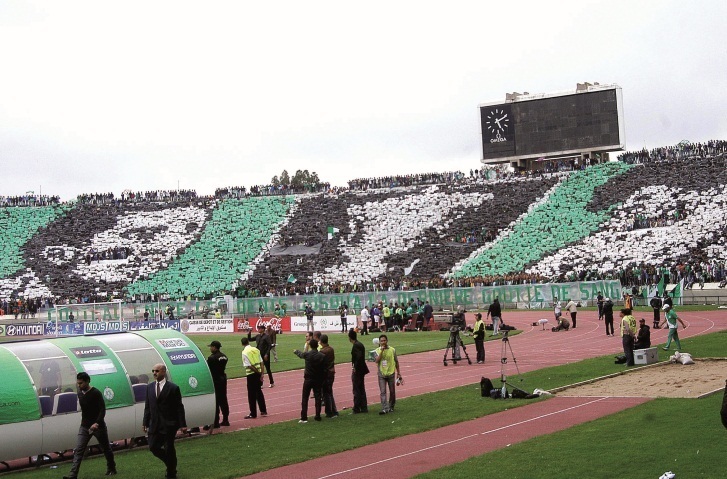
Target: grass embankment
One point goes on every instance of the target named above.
(645, 441)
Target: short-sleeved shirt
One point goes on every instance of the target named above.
(671, 319)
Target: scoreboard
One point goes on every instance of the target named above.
(553, 125)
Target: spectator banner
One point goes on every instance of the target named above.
(320, 323)
(98, 327)
(214, 325)
(242, 325)
(34, 329)
(63, 329)
(142, 325)
(478, 297)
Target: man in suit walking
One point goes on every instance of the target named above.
(163, 416)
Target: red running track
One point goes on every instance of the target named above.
(424, 372)
(533, 349)
(408, 456)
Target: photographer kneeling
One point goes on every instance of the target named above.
(563, 325)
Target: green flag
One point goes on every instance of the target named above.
(660, 286)
(291, 278)
(332, 230)
(677, 293)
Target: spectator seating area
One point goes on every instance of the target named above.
(633, 220)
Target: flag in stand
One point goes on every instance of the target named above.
(291, 278)
(677, 292)
(332, 230)
(660, 286)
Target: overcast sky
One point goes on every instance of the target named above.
(101, 96)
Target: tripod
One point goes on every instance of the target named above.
(503, 358)
(455, 343)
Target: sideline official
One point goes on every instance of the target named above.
(163, 416)
(217, 362)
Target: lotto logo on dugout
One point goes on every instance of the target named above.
(185, 356)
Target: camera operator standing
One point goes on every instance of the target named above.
(479, 336)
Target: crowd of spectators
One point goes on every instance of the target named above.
(638, 275)
(23, 308)
(694, 270)
(682, 151)
(418, 179)
(128, 196)
(640, 221)
(29, 200)
(159, 196)
(95, 198)
(272, 190)
(115, 253)
(231, 192)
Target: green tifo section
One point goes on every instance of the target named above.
(561, 220)
(18, 225)
(234, 236)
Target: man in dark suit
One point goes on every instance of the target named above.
(163, 416)
(358, 374)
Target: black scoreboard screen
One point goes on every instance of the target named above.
(552, 125)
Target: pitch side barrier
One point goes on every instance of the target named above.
(479, 297)
(190, 314)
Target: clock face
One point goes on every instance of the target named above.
(497, 121)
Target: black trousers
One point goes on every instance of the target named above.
(344, 325)
(609, 325)
(221, 404)
(360, 402)
(267, 368)
(628, 344)
(316, 386)
(480, 348)
(573, 318)
(255, 396)
(657, 318)
(161, 444)
(329, 403)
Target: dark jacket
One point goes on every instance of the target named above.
(93, 408)
(163, 414)
(315, 364)
(358, 358)
(608, 309)
(217, 362)
(495, 310)
(262, 342)
(643, 338)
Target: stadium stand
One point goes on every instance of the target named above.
(658, 213)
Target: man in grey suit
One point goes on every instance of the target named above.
(163, 416)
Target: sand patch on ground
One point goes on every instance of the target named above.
(661, 380)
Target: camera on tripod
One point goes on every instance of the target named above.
(455, 344)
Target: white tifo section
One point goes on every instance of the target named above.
(393, 226)
(33, 285)
(615, 246)
(147, 255)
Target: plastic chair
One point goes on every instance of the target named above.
(65, 403)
